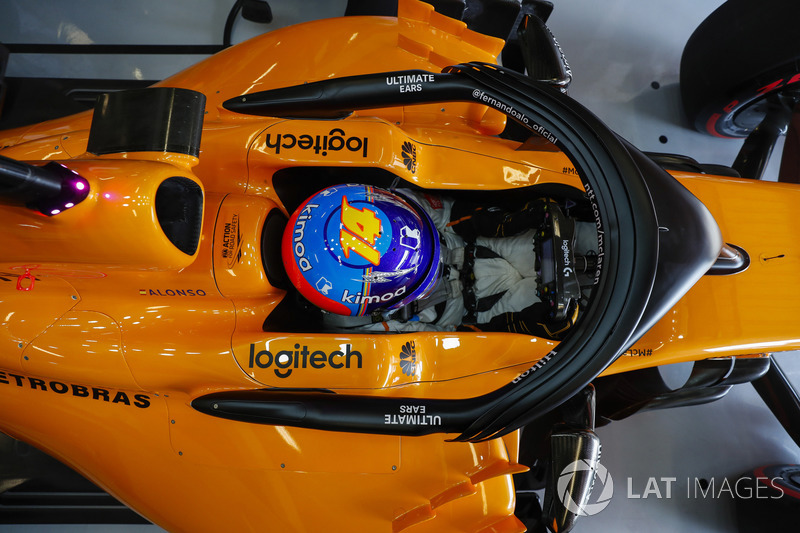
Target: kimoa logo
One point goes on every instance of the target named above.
(335, 141)
(299, 232)
(285, 361)
(358, 298)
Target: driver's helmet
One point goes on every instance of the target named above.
(355, 249)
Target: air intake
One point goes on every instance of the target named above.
(179, 209)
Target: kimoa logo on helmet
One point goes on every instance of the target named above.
(358, 298)
(299, 231)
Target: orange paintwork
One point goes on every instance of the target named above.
(115, 228)
(100, 360)
(734, 315)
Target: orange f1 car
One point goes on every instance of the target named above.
(153, 341)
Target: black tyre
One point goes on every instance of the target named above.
(768, 499)
(743, 52)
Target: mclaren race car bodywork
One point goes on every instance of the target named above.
(151, 341)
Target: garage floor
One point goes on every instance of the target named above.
(617, 49)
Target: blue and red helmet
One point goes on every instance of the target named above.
(355, 249)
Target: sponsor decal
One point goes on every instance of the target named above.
(514, 113)
(539, 364)
(410, 238)
(142, 401)
(565, 249)
(335, 141)
(409, 83)
(286, 361)
(358, 298)
(569, 170)
(600, 233)
(299, 231)
(324, 286)
(638, 352)
(409, 152)
(232, 242)
(383, 277)
(172, 292)
(412, 415)
(408, 359)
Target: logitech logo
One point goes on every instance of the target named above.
(321, 144)
(565, 249)
(286, 361)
